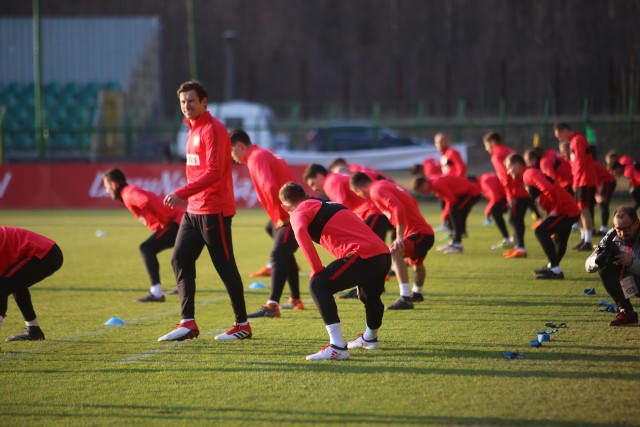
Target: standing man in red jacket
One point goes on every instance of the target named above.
(584, 179)
(414, 237)
(268, 174)
(207, 222)
(362, 259)
(162, 220)
(562, 211)
(517, 195)
(26, 258)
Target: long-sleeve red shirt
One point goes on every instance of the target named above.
(337, 188)
(209, 187)
(17, 244)
(452, 163)
(513, 190)
(553, 198)
(557, 168)
(492, 190)
(583, 173)
(268, 174)
(399, 206)
(342, 235)
(632, 174)
(450, 188)
(431, 168)
(602, 174)
(149, 208)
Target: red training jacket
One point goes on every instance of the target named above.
(399, 206)
(553, 198)
(338, 189)
(149, 208)
(17, 244)
(451, 188)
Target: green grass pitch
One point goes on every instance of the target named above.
(440, 364)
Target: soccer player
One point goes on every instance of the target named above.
(493, 191)
(554, 231)
(517, 195)
(268, 174)
(451, 161)
(629, 170)
(26, 258)
(584, 179)
(162, 220)
(606, 182)
(414, 234)
(207, 222)
(459, 195)
(556, 167)
(337, 188)
(361, 259)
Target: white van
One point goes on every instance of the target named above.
(255, 119)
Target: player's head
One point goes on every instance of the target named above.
(338, 165)
(532, 158)
(314, 176)
(421, 185)
(617, 168)
(562, 132)
(565, 149)
(291, 195)
(625, 221)
(441, 141)
(193, 99)
(113, 181)
(240, 143)
(515, 165)
(490, 140)
(360, 183)
(611, 157)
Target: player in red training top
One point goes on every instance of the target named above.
(335, 185)
(26, 258)
(339, 163)
(459, 195)
(268, 174)
(630, 171)
(162, 220)
(362, 259)
(451, 161)
(584, 180)
(493, 191)
(431, 168)
(606, 186)
(207, 221)
(554, 231)
(414, 235)
(556, 167)
(517, 195)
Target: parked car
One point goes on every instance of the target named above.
(356, 135)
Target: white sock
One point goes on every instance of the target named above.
(582, 234)
(243, 323)
(273, 302)
(33, 322)
(587, 236)
(335, 335)
(269, 266)
(416, 289)
(404, 289)
(156, 290)
(370, 334)
(556, 269)
(186, 320)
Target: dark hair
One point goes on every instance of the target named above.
(115, 175)
(419, 182)
(338, 161)
(535, 155)
(417, 169)
(515, 158)
(629, 211)
(561, 126)
(238, 135)
(492, 135)
(292, 192)
(360, 179)
(195, 86)
(312, 170)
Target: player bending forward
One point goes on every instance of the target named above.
(362, 259)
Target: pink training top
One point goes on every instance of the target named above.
(268, 174)
(343, 234)
(149, 208)
(553, 198)
(491, 190)
(17, 244)
(337, 188)
(399, 206)
(209, 187)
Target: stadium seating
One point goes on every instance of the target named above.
(68, 111)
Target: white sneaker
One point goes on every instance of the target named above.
(330, 352)
(453, 250)
(183, 331)
(360, 342)
(443, 247)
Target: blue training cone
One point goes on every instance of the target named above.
(115, 321)
(257, 285)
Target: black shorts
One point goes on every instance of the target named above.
(585, 197)
(416, 247)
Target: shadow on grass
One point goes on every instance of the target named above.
(128, 414)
